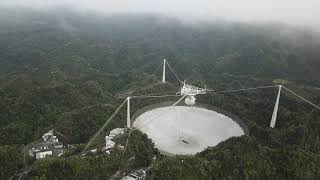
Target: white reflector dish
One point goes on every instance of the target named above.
(186, 130)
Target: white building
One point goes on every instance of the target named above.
(54, 139)
(57, 145)
(113, 133)
(42, 154)
(136, 175)
(49, 146)
(94, 150)
(47, 135)
(109, 143)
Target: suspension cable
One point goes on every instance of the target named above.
(102, 128)
(236, 90)
(175, 74)
(309, 102)
(156, 70)
(154, 96)
(137, 97)
(127, 141)
(160, 114)
(174, 104)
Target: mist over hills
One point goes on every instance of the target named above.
(154, 34)
(66, 70)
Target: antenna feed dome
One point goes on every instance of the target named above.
(190, 100)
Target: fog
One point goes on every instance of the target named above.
(296, 12)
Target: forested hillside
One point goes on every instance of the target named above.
(67, 70)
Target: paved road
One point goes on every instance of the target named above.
(19, 176)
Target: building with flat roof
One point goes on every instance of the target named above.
(49, 145)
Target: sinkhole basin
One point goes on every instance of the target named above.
(186, 130)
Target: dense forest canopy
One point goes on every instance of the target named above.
(67, 70)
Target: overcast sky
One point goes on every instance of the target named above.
(301, 12)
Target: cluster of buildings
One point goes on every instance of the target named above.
(48, 146)
(112, 139)
(136, 175)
